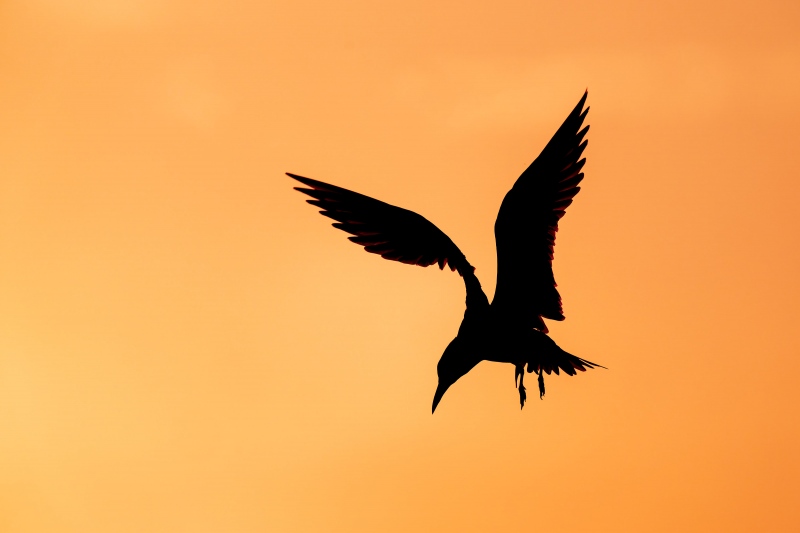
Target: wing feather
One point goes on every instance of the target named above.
(392, 232)
(525, 231)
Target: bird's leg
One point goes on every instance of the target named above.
(541, 383)
(520, 372)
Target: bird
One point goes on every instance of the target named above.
(511, 328)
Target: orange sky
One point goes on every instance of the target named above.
(185, 345)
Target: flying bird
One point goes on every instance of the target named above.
(511, 328)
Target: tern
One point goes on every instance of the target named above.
(511, 328)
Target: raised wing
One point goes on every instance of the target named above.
(525, 231)
(392, 232)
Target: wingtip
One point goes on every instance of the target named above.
(314, 184)
(582, 102)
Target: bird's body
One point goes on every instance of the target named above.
(486, 334)
(510, 329)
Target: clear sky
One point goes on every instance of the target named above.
(185, 345)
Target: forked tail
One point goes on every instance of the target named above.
(555, 360)
(559, 359)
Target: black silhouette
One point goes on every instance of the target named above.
(510, 329)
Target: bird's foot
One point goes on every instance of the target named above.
(520, 373)
(541, 384)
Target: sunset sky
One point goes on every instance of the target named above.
(186, 346)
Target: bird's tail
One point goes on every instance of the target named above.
(559, 359)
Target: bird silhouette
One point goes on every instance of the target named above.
(511, 329)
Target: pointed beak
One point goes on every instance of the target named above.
(437, 397)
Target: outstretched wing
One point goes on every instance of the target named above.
(525, 231)
(392, 232)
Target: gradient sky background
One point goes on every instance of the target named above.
(185, 345)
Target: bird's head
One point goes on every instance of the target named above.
(455, 362)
